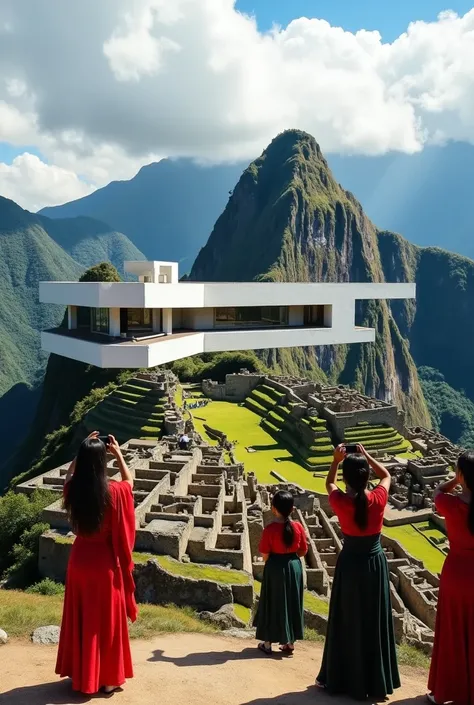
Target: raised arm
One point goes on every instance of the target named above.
(331, 478)
(379, 469)
(72, 467)
(116, 451)
(448, 486)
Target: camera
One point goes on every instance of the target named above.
(105, 440)
(351, 448)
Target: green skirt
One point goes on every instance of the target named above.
(279, 617)
(360, 658)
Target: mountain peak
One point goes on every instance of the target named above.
(292, 142)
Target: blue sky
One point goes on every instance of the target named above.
(390, 17)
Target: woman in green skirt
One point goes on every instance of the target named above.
(279, 617)
(359, 654)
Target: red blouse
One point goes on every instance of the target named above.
(272, 539)
(344, 507)
(455, 512)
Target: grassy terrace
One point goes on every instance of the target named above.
(243, 427)
(131, 411)
(417, 544)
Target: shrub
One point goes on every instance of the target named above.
(46, 587)
(18, 515)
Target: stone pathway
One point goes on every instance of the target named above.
(181, 669)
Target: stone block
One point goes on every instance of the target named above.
(156, 586)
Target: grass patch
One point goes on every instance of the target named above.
(243, 613)
(418, 545)
(154, 619)
(203, 572)
(21, 613)
(313, 603)
(313, 635)
(410, 656)
(242, 426)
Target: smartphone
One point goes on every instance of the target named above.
(105, 440)
(351, 448)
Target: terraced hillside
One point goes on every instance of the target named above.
(308, 437)
(377, 438)
(134, 410)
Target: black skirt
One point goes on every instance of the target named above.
(279, 617)
(360, 657)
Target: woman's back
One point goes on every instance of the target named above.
(455, 512)
(344, 506)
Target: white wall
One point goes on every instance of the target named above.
(209, 295)
(198, 318)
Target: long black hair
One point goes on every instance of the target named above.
(356, 473)
(283, 502)
(466, 468)
(88, 494)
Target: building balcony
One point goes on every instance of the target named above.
(147, 351)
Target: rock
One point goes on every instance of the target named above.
(3, 637)
(156, 586)
(46, 635)
(240, 633)
(224, 618)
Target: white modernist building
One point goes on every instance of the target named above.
(158, 319)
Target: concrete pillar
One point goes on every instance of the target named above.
(156, 320)
(343, 315)
(114, 322)
(72, 317)
(168, 321)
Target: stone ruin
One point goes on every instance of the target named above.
(193, 507)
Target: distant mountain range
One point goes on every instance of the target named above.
(169, 208)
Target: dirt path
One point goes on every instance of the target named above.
(187, 669)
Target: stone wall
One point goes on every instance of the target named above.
(236, 388)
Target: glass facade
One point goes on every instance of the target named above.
(139, 319)
(100, 320)
(251, 316)
(314, 316)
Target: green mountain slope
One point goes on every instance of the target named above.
(289, 220)
(27, 255)
(451, 411)
(89, 241)
(35, 248)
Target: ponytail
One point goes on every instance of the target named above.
(288, 532)
(283, 502)
(361, 514)
(466, 468)
(356, 473)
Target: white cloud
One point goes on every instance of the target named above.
(33, 184)
(106, 86)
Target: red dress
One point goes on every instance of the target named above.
(344, 507)
(452, 665)
(94, 648)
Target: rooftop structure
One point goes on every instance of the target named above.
(159, 319)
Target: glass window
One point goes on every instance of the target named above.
(83, 317)
(139, 318)
(314, 316)
(100, 320)
(257, 316)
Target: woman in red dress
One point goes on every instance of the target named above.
(94, 648)
(452, 665)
